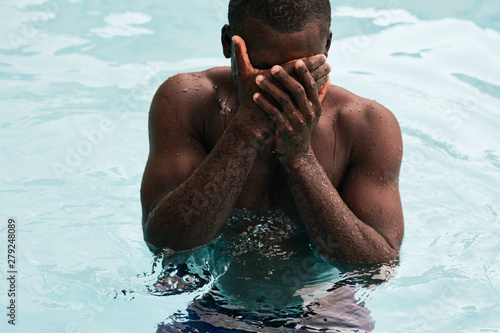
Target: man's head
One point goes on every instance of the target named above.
(277, 31)
(284, 16)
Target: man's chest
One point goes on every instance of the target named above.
(267, 185)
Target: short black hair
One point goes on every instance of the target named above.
(284, 16)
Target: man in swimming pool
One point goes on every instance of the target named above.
(270, 132)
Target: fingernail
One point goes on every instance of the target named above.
(300, 63)
(275, 69)
(256, 96)
(259, 78)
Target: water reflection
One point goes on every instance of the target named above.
(261, 275)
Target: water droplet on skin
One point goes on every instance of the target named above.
(178, 154)
(184, 90)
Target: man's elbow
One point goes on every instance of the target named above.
(387, 254)
(156, 234)
(384, 257)
(157, 242)
(382, 253)
(169, 237)
(151, 238)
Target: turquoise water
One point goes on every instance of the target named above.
(76, 80)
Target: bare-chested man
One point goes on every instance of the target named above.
(271, 132)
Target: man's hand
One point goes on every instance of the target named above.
(298, 113)
(316, 65)
(258, 124)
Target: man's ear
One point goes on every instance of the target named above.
(227, 42)
(328, 43)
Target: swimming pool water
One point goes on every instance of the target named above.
(76, 80)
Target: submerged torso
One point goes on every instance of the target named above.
(265, 277)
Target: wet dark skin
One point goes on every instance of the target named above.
(271, 132)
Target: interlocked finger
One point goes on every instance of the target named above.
(286, 102)
(274, 114)
(297, 91)
(314, 62)
(321, 74)
(309, 84)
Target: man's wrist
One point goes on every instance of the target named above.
(253, 122)
(299, 161)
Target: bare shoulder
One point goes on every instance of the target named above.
(373, 130)
(183, 100)
(363, 112)
(190, 89)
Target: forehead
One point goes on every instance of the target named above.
(267, 47)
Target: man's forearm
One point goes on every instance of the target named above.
(195, 212)
(333, 228)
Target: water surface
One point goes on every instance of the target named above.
(76, 81)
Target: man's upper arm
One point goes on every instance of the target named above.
(371, 186)
(175, 149)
